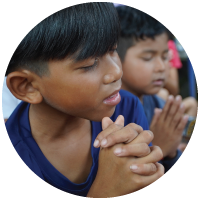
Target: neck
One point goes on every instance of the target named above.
(136, 93)
(47, 122)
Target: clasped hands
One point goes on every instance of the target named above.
(125, 160)
(168, 125)
(133, 142)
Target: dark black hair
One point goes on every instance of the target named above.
(136, 25)
(171, 35)
(78, 32)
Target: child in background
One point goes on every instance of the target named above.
(68, 75)
(143, 49)
(172, 87)
(172, 84)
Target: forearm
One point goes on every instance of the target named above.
(172, 84)
(99, 189)
(172, 155)
(172, 87)
(169, 162)
(98, 194)
(95, 192)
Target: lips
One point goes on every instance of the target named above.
(158, 82)
(160, 79)
(113, 99)
(113, 94)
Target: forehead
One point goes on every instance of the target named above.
(158, 44)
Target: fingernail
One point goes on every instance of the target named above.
(117, 151)
(170, 97)
(103, 142)
(178, 98)
(157, 110)
(186, 117)
(118, 120)
(181, 106)
(134, 167)
(96, 143)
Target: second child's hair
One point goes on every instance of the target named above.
(135, 26)
(78, 32)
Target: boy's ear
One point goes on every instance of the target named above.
(23, 85)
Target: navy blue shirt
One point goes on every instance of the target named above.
(18, 128)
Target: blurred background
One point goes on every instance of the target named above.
(187, 80)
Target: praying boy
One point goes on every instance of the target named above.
(68, 75)
(143, 50)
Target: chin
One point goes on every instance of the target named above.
(151, 93)
(99, 116)
(155, 90)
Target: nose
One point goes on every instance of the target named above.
(114, 71)
(160, 65)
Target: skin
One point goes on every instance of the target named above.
(60, 122)
(144, 63)
(172, 84)
(172, 87)
(170, 121)
(127, 170)
(60, 118)
(148, 60)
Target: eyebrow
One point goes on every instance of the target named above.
(152, 51)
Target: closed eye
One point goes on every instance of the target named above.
(147, 59)
(91, 67)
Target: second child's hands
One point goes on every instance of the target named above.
(168, 125)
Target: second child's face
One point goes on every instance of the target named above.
(145, 67)
(83, 89)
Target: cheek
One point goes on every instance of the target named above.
(167, 68)
(71, 92)
(137, 73)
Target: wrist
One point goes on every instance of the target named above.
(100, 190)
(97, 192)
(172, 155)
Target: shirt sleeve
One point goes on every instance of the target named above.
(9, 102)
(168, 163)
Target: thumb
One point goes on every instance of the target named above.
(120, 120)
(106, 121)
(157, 112)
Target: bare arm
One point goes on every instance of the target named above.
(172, 84)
